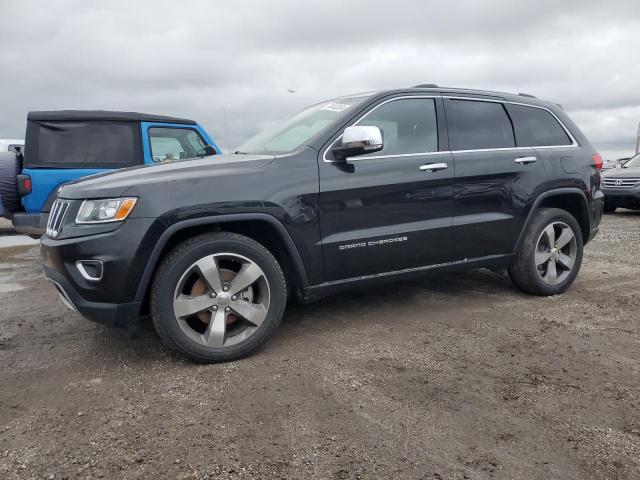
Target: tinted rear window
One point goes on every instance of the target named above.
(82, 144)
(536, 127)
(479, 125)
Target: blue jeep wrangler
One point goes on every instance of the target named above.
(61, 146)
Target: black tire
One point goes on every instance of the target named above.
(609, 208)
(9, 170)
(179, 260)
(523, 270)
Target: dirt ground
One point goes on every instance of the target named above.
(458, 376)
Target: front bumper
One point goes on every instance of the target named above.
(123, 252)
(111, 314)
(30, 223)
(622, 197)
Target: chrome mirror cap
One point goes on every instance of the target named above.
(366, 137)
(359, 140)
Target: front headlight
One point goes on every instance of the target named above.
(105, 210)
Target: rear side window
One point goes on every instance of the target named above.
(82, 145)
(479, 125)
(536, 127)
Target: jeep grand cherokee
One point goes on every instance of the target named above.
(352, 191)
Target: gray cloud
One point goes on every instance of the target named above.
(200, 58)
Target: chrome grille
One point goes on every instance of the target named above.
(613, 182)
(56, 217)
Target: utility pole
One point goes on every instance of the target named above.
(638, 140)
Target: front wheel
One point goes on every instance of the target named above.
(609, 208)
(550, 253)
(218, 297)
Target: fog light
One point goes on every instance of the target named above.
(90, 269)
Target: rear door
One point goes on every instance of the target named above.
(494, 179)
(388, 211)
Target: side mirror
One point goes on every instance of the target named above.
(209, 150)
(358, 140)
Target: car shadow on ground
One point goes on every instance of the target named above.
(141, 343)
(624, 212)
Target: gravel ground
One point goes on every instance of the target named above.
(459, 376)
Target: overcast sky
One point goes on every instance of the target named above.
(198, 59)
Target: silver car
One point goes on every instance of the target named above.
(621, 186)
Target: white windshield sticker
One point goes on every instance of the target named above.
(335, 107)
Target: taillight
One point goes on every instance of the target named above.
(24, 185)
(597, 161)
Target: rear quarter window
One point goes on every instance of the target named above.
(475, 125)
(536, 127)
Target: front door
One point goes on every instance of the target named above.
(389, 210)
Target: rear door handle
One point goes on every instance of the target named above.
(526, 160)
(433, 167)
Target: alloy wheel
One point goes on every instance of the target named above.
(556, 253)
(221, 300)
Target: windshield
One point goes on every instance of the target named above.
(289, 134)
(633, 162)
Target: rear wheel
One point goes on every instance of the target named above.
(550, 254)
(218, 297)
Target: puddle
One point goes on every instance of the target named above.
(17, 241)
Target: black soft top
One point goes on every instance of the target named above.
(97, 115)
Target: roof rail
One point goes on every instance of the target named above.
(426, 85)
(527, 95)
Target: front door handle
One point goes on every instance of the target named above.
(433, 167)
(526, 160)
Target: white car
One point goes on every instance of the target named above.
(11, 145)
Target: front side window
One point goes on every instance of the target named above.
(536, 127)
(408, 126)
(172, 143)
(475, 125)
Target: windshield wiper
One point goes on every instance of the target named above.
(238, 152)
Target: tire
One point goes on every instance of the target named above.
(530, 271)
(9, 170)
(207, 336)
(609, 208)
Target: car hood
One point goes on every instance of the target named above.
(633, 172)
(117, 183)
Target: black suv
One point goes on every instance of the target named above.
(360, 189)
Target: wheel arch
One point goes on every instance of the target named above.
(572, 200)
(263, 228)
